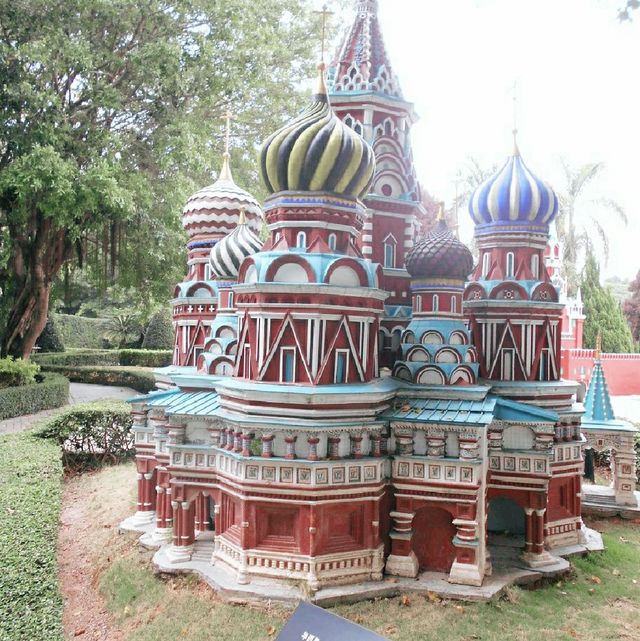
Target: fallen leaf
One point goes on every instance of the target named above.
(596, 579)
(271, 630)
(459, 608)
(405, 600)
(615, 572)
(77, 633)
(433, 597)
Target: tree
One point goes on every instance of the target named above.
(51, 339)
(632, 308)
(603, 314)
(159, 332)
(110, 115)
(579, 217)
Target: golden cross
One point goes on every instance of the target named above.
(228, 117)
(325, 13)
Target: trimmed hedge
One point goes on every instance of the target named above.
(91, 433)
(160, 332)
(31, 482)
(82, 332)
(107, 358)
(146, 357)
(52, 391)
(15, 372)
(138, 379)
(51, 339)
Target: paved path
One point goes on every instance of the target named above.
(78, 393)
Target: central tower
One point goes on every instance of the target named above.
(366, 96)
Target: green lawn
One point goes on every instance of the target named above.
(30, 489)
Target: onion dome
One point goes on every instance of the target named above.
(317, 152)
(514, 196)
(215, 210)
(227, 255)
(439, 254)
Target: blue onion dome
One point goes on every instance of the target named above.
(227, 255)
(215, 210)
(439, 254)
(317, 152)
(514, 197)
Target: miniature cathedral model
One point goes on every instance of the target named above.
(275, 448)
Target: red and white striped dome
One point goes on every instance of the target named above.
(214, 211)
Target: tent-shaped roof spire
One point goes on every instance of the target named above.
(597, 402)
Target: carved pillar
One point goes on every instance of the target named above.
(237, 441)
(313, 447)
(145, 504)
(469, 448)
(290, 441)
(529, 529)
(246, 443)
(404, 441)
(356, 445)
(623, 465)
(334, 447)
(183, 532)
(230, 439)
(200, 517)
(376, 445)
(436, 444)
(469, 564)
(494, 441)
(402, 561)
(222, 443)
(267, 445)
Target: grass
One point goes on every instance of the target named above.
(31, 483)
(601, 601)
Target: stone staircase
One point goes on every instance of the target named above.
(203, 551)
(600, 499)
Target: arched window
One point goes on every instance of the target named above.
(301, 240)
(510, 263)
(485, 264)
(332, 242)
(435, 304)
(535, 266)
(390, 251)
(454, 305)
(418, 303)
(230, 299)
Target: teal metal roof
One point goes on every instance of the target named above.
(597, 402)
(177, 402)
(433, 410)
(480, 412)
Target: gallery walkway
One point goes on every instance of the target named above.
(78, 393)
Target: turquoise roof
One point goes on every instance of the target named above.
(597, 403)
(476, 412)
(183, 403)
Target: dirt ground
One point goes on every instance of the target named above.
(87, 522)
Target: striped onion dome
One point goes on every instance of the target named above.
(215, 210)
(439, 254)
(317, 152)
(227, 255)
(514, 197)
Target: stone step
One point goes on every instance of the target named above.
(599, 499)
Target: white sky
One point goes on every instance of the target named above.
(578, 86)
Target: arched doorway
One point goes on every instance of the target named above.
(433, 532)
(506, 529)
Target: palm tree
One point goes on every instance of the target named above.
(579, 218)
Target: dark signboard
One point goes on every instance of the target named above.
(311, 623)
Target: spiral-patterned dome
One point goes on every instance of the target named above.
(439, 254)
(227, 255)
(514, 197)
(317, 152)
(215, 210)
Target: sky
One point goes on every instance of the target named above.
(576, 69)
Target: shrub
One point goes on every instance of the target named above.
(81, 332)
(30, 478)
(145, 357)
(51, 339)
(17, 372)
(138, 379)
(80, 357)
(52, 390)
(159, 333)
(91, 433)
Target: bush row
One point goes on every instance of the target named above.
(30, 478)
(17, 372)
(82, 332)
(108, 358)
(50, 391)
(91, 434)
(138, 379)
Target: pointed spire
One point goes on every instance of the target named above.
(242, 220)
(516, 150)
(597, 402)
(440, 216)
(225, 170)
(321, 84)
(598, 346)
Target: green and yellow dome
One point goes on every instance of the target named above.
(317, 152)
